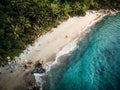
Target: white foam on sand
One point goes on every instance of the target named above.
(66, 50)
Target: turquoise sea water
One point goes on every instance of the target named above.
(94, 64)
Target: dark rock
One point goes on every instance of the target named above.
(25, 66)
(3, 65)
(36, 88)
(38, 65)
(39, 70)
(29, 62)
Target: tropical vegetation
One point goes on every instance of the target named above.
(22, 21)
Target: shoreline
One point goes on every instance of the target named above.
(68, 48)
(48, 46)
(41, 46)
(66, 51)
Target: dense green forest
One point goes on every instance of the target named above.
(22, 21)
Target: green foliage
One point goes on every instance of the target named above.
(21, 21)
(55, 8)
(66, 9)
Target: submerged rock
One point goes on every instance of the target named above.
(39, 72)
(39, 68)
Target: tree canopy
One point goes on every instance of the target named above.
(22, 21)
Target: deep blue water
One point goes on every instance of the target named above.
(94, 64)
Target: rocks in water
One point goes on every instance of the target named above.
(38, 64)
(30, 82)
(38, 68)
(30, 77)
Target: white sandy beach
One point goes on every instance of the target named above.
(47, 46)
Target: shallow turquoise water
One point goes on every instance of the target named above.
(95, 64)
